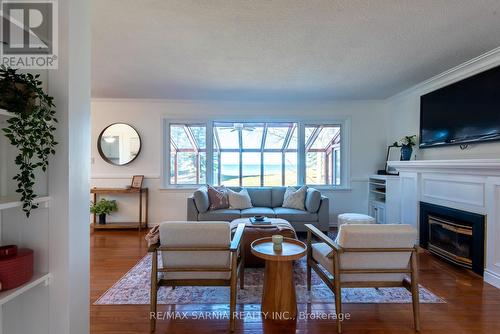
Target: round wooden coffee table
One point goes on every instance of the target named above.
(278, 296)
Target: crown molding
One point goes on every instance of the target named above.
(476, 65)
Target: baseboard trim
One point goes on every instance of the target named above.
(492, 278)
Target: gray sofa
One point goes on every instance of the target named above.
(266, 201)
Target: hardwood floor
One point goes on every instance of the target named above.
(471, 305)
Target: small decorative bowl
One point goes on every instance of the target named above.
(259, 218)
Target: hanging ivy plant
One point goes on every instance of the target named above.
(30, 129)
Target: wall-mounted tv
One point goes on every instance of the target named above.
(467, 111)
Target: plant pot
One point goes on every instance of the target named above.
(406, 151)
(102, 219)
(13, 92)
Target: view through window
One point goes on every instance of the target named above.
(255, 154)
(322, 154)
(188, 153)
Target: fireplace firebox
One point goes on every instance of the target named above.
(454, 235)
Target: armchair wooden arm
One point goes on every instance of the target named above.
(153, 247)
(311, 229)
(235, 243)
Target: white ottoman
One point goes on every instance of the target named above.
(354, 218)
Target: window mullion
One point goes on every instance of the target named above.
(209, 147)
(301, 152)
(262, 143)
(283, 168)
(240, 140)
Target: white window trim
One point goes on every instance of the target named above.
(345, 149)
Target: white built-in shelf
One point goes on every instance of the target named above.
(377, 192)
(8, 202)
(36, 280)
(5, 114)
(377, 183)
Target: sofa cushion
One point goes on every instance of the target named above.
(295, 199)
(277, 195)
(221, 214)
(260, 196)
(294, 215)
(239, 200)
(201, 200)
(313, 200)
(256, 211)
(218, 198)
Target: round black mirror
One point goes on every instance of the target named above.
(119, 144)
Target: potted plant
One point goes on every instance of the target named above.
(103, 208)
(406, 143)
(31, 128)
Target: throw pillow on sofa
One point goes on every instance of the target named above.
(201, 199)
(295, 199)
(239, 200)
(313, 200)
(218, 198)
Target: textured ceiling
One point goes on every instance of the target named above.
(282, 49)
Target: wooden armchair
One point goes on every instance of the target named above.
(365, 256)
(197, 254)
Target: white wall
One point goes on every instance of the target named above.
(404, 111)
(368, 140)
(59, 233)
(69, 173)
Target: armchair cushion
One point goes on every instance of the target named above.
(370, 236)
(320, 254)
(377, 236)
(195, 234)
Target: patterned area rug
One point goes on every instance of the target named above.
(133, 289)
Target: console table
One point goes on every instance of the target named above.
(142, 195)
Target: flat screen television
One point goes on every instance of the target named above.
(467, 111)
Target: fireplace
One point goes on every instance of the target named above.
(454, 235)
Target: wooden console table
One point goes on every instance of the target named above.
(143, 218)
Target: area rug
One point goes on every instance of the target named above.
(133, 289)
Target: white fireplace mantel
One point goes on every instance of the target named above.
(464, 166)
(470, 184)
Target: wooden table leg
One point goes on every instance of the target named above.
(140, 210)
(278, 297)
(95, 201)
(147, 210)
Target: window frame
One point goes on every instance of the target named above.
(345, 129)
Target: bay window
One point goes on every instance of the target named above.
(254, 153)
(322, 162)
(188, 153)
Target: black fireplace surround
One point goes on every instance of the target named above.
(469, 245)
